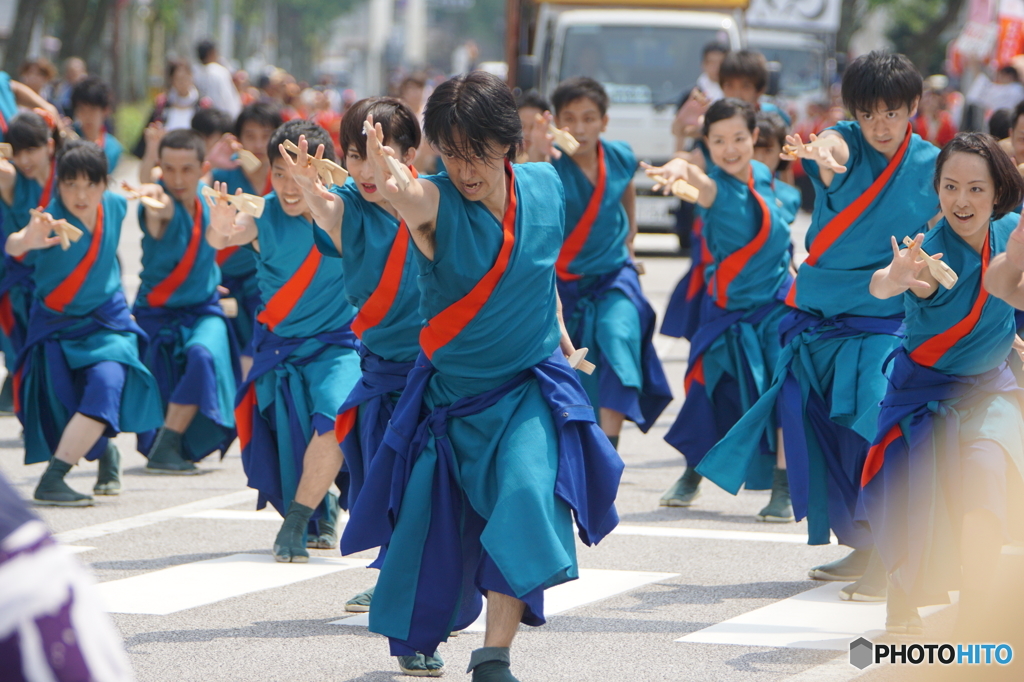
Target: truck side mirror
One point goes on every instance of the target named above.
(526, 78)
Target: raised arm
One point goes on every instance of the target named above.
(415, 200)
(829, 150)
(327, 209)
(629, 203)
(34, 236)
(29, 98)
(680, 169)
(156, 219)
(8, 178)
(907, 271)
(1005, 276)
(227, 226)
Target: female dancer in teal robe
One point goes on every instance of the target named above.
(189, 349)
(357, 224)
(872, 179)
(605, 308)
(79, 379)
(27, 181)
(734, 352)
(305, 361)
(253, 127)
(14, 94)
(951, 435)
(492, 447)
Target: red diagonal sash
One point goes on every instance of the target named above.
(162, 292)
(838, 225)
(44, 199)
(225, 253)
(447, 324)
(66, 291)
(282, 303)
(3, 123)
(733, 264)
(383, 297)
(876, 455)
(578, 237)
(929, 352)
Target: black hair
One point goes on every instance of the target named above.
(747, 65)
(713, 46)
(400, 126)
(727, 108)
(468, 114)
(80, 157)
(204, 48)
(315, 136)
(184, 138)
(28, 130)
(211, 121)
(173, 65)
(91, 90)
(580, 87)
(881, 76)
(1009, 186)
(770, 127)
(1000, 123)
(532, 98)
(261, 113)
(1010, 70)
(1018, 111)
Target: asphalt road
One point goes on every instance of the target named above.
(184, 564)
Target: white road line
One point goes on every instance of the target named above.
(593, 585)
(205, 582)
(705, 534)
(815, 619)
(77, 549)
(268, 514)
(149, 518)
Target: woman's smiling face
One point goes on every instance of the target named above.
(967, 196)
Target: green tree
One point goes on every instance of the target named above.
(920, 29)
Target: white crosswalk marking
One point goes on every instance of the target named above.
(593, 585)
(707, 534)
(204, 582)
(268, 514)
(815, 619)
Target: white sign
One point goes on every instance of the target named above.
(818, 16)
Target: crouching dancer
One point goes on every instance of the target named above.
(304, 363)
(79, 380)
(476, 494)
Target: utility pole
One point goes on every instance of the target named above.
(513, 12)
(415, 52)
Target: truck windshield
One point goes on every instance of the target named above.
(637, 64)
(802, 70)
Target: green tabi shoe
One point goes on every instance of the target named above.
(684, 491)
(491, 664)
(850, 567)
(779, 509)
(422, 665)
(328, 526)
(901, 617)
(872, 585)
(166, 456)
(109, 480)
(52, 491)
(361, 602)
(289, 545)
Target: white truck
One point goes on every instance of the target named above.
(645, 57)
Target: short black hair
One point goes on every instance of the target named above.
(747, 65)
(881, 76)
(1018, 111)
(468, 114)
(713, 46)
(91, 90)
(315, 136)
(727, 108)
(580, 87)
(212, 121)
(1009, 186)
(81, 157)
(1010, 70)
(173, 65)
(28, 130)
(204, 48)
(261, 113)
(400, 126)
(1001, 121)
(532, 98)
(770, 126)
(184, 138)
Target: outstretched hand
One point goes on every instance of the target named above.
(1015, 246)
(542, 142)
(907, 265)
(375, 153)
(37, 234)
(303, 171)
(222, 212)
(818, 149)
(665, 176)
